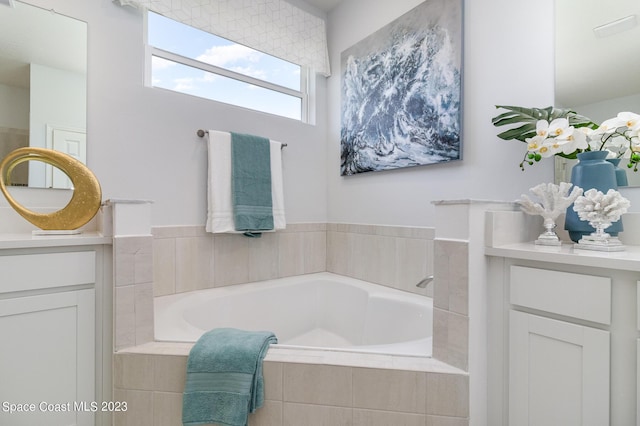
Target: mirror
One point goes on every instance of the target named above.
(596, 71)
(43, 88)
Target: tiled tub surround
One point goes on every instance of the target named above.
(133, 290)
(177, 259)
(309, 388)
(313, 387)
(187, 258)
(451, 303)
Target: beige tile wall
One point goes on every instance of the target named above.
(187, 258)
(133, 290)
(300, 394)
(393, 256)
(451, 303)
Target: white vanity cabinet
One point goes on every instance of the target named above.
(558, 370)
(563, 336)
(50, 335)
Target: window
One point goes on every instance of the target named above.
(188, 60)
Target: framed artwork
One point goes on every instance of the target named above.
(401, 92)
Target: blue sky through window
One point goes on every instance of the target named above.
(172, 36)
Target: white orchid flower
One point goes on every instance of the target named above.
(576, 140)
(630, 120)
(559, 127)
(542, 128)
(550, 147)
(587, 131)
(534, 143)
(581, 137)
(610, 125)
(617, 136)
(546, 147)
(616, 142)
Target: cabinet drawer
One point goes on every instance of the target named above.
(579, 296)
(46, 270)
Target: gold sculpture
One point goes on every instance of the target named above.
(84, 203)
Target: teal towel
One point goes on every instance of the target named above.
(251, 183)
(224, 377)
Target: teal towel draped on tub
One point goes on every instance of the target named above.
(224, 377)
(251, 183)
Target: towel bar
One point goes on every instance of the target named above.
(201, 134)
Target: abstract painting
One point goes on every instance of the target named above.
(401, 92)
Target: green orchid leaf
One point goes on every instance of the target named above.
(530, 116)
(520, 133)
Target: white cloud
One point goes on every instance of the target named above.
(223, 56)
(209, 77)
(250, 71)
(183, 84)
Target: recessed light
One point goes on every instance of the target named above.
(617, 26)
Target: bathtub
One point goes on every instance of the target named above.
(314, 311)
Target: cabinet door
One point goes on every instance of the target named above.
(47, 359)
(558, 373)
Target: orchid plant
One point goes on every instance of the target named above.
(553, 131)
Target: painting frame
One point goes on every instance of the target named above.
(401, 86)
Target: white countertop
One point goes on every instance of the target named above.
(15, 241)
(628, 260)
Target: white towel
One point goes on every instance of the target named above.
(277, 187)
(220, 207)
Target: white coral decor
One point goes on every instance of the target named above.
(600, 209)
(554, 199)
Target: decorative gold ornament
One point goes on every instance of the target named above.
(84, 203)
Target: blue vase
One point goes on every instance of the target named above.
(592, 171)
(621, 174)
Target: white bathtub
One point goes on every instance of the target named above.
(320, 310)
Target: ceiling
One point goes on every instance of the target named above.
(591, 69)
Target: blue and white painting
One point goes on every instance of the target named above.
(401, 92)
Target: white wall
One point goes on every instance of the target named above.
(609, 108)
(14, 107)
(507, 60)
(142, 142)
(57, 97)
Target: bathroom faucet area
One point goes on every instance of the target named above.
(425, 281)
